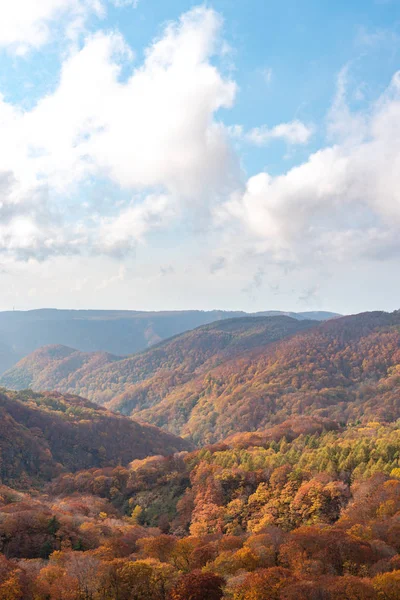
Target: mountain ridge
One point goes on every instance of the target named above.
(246, 374)
(344, 369)
(172, 361)
(118, 332)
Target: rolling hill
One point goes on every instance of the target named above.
(346, 370)
(304, 491)
(116, 332)
(43, 435)
(143, 380)
(55, 367)
(239, 375)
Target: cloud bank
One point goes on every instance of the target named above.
(154, 133)
(344, 201)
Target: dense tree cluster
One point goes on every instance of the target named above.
(296, 498)
(312, 514)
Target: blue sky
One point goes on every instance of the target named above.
(169, 155)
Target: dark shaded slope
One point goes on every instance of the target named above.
(42, 435)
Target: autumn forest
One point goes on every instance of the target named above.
(251, 458)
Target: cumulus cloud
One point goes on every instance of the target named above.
(154, 131)
(29, 24)
(343, 202)
(159, 128)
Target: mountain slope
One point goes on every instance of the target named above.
(142, 380)
(115, 332)
(183, 358)
(54, 367)
(252, 373)
(42, 435)
(347, 369)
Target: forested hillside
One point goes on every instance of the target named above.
(42, 435)
(346, 370)
(298, 499)
(116, 332)
(102, 377)
(309, 513)
(55, 368)
(238, 375)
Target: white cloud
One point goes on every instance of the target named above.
(30, 24)
(343, 124)
(27, 24)
(120, 234)
(343, 203)
(158, 128)
(294, 132)
(154, 131)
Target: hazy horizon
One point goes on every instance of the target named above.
(144, 310)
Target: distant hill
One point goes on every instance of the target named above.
(347, 370)
(116, 332)
(239, 375)
(44, 435)
(55, 368)
(144, 379)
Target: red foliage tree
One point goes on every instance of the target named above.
(198, 586)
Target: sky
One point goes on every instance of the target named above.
(237, 154)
